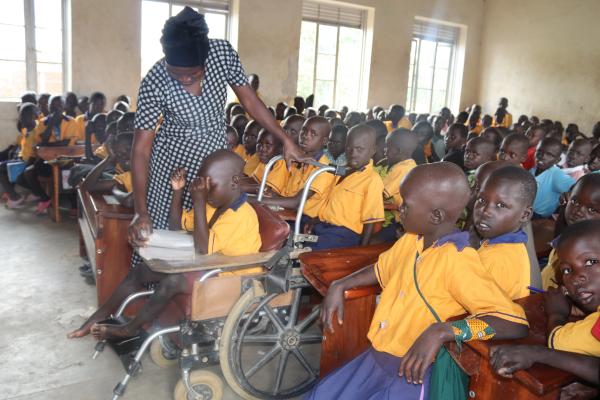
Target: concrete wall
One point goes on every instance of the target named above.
(543, 55)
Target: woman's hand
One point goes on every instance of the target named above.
(507, 359)
(140, 230)
(178, 178)
(292, 152)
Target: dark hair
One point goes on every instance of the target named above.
(577, 230)
(339, 129)
(379, 127)
(520, 176)
(125, 123)
(461, 129)
(519, 139)
(185, 39)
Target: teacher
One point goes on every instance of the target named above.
(188, 88)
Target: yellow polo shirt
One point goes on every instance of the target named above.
(69, 129)
(101, 151)
(548, 273)
(277, 177)
(235, 233)
(391, 182)
(403, 123)
(27, 142)
(505, 258)
(356, 200)
(251, 160)
(576, 337)
(451, 278)
(506, 122)
(125, 180)
(321, 186)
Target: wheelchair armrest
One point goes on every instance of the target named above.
(208, 262)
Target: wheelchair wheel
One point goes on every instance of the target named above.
(267, 352)
(205, 383)
(163, 352)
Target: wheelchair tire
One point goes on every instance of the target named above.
(283, 339)
(159, 356)
(205, 382)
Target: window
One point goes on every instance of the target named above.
(156, 12)
(31, 52)
(331, 54)
(431, 72)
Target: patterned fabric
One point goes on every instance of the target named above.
(466, 330)
(193, 126)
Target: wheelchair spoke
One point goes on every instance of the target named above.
(294, 308)
(263, 361)
(304, 362)
(274, 318)
(260, 338)
(280, 371)
(309, 339)
(309, 319)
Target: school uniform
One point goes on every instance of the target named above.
(576, 337)
(506, 122)
(125, 180)
(251, 160)
(403, 123)
(353, 201)
(506, 259)
(277, 177)
(550, 185)
(68, 129)
(27, 142)
(452, 279)
(392, 177)
(321, 186)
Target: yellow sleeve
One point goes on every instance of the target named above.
(388, 126)
(323, 183)
(187, 220)
(258, 173)
(387, 264)
(277, 178)
(548, 273)
(474, 288)
(125, 180)
(101, 151)
(251, 164)
(235, 233)
(372, 207)
(576, 337)
(404, 123)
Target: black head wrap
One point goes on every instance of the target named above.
(185, 39)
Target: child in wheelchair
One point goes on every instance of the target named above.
(221, 221)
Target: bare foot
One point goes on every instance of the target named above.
(105, 331)
(85, 329)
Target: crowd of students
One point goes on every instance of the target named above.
(454, 194)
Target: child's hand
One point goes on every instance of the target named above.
(199, 189)
(333, 303)
(507, 359)
(423, 351)
(308, 227)
(556, 303)
(178, 178)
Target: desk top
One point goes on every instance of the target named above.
(95, 207)
(52, 152)
(322, 267)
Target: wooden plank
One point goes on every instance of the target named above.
(211, 261)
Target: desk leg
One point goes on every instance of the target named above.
(55, 194)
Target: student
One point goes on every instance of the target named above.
(514, 149)
(503, 206)
(486, 121)
(551, 180)
(571, 133)
(593, 166)
(97, 106)
(572, 346)
(329, 114)
(474, 121)
(121, 184)
(239, 123)
(583, 204)
(455, 141)
(322, 109)
(299, 104)
(25, 151)
(535, 134)
(71, 104)
(352, 119)
(231, 138)
(430, 269)
(43, 103)
(310, 112)
(336, 145)
(500, 120)
(267, 147)
(478, 151)
(221, 221)
(95, 133)
(292, 126)
(102, 152)
(354, 204)
(578, 155)
(507, 119)
(424, 132)
(126, 99)
(462, 118)
(313, 137)
(437, 145)
(396, 118)
(399, 147)
(381, 132)
(248, 152)
(493, 135)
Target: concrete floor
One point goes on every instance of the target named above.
(42, 298)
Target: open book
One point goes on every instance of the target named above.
(168, 245)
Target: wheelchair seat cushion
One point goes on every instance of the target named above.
(273, 230)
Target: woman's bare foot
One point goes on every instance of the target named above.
(106, 331)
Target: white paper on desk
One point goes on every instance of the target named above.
(111, 200)
(162, 253)
(168, 245)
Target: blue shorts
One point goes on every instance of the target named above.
(334, 237)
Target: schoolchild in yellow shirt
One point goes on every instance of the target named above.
(396, 118)
(355, 202)
(572, 346)
(221, 221)
(267, 147)
(503, 205)
(97, 105)
(239, 123)
(248, 153)
(427, 277)
(399, 147)
(58, 128)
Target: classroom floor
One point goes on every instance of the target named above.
(42, 298)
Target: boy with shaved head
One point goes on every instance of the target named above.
(428, 276)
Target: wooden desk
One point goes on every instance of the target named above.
(321, 268)
(103, 233)
(51, 154)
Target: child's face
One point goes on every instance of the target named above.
(512, 153)
(594, 164)
(477, 154)
(250, 137)
(584, 203)
(123, 154)
(267, 147)
(535, 136)
(222, 186)
(414, 210)
(393, 154)
(57, 106)
(453, 140)
(97, 106)
(580, 271)
(578, 153)
(546, 156)
(359, 150)
(312, 137)
(499, 208)
(292, 128)
(336, 144)
(231, 137)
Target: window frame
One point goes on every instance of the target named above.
(31, 63)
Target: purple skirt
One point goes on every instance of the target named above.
(372, 375)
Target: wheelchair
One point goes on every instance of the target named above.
(256, 327)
